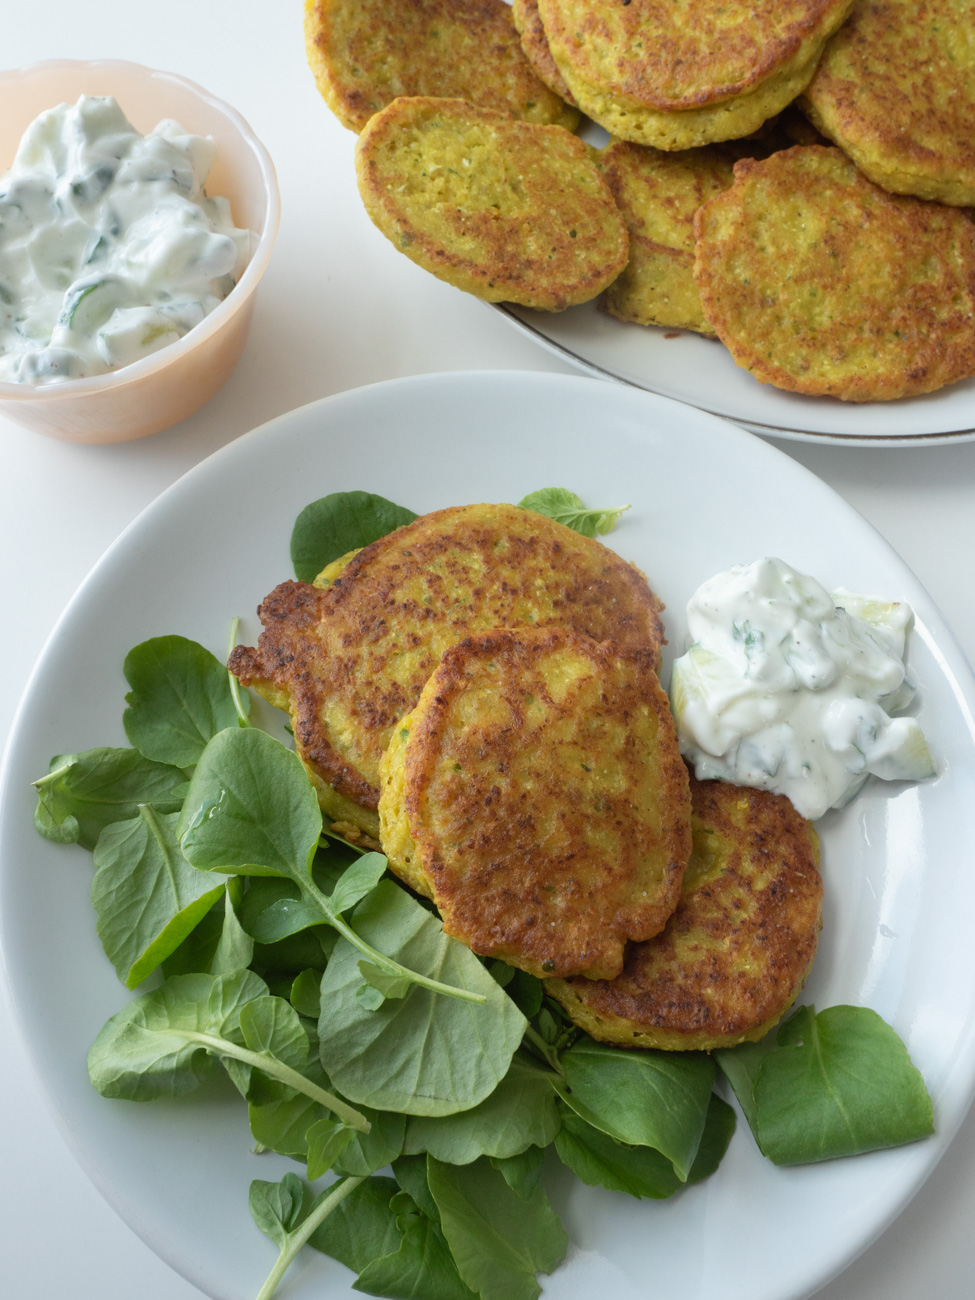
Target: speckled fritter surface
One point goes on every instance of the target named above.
(534, 42)
(537, 794)
(680, 75)
(658, 194)
(348, 661)
(506, 210)
(896, 90)
(737, 950)
(365, 53)
(819, 282)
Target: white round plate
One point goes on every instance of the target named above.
(691, 368)
(900, 893)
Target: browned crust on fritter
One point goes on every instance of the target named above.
(506, 210)
(365, 53)
(534, 42)
(550, 813)
(820, 282)
(671, 57)
(737, 950)
(368, 643)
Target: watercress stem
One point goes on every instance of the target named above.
(380, 959)
(544, 1049)
(284, 1074)
(302, 1233)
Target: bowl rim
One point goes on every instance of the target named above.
(67, 389)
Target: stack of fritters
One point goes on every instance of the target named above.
(479, 192)
(675, 76)
(478, 691)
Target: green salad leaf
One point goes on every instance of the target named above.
(417, 1054)
(640, 1171)
(164, 1043)
(834, 1084)
(146, 895)
(180, 698)
(521, 1112)
(567, 508)
(362, 1227)
(499, 1240)
(341, 522)
(84, 793)
(286, 1213)
(653, 1099)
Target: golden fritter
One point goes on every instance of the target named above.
(505, 210)
(819, 282)
(534, 42)
(365, 53)
(896, 91)
(658, 194)
(536, 793)
(679, 76)
(348, 661)
(737, 950)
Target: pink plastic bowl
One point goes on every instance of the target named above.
(164, 388)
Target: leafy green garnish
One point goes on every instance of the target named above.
(655, 1099)
(834, 1084)
(640, 1171)
(180, 699)
(341, 522)
(84, 793)
(567, 508)
(286, 1213)
(164, 1043)
(418, 1054)
(500, 1240)
(147, 896)
(251, 810)
(521, 1112)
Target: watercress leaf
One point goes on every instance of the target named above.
(567, 508)
(285, 917)
(640, 1171)
(411, 1174)
(327, 1139)
(740, 1066)
(422, 1267)
(235, 947)
(521, 1112)
(146, 895)
(272, 1025)
(143, 1051)
(250, 808)
(65, 831)
(90, 791)
(358, 880)
(180, 699)
(655, 1099)
(370, 1151)
(306, 995)
(838, 1083)
(280, 1117)
(338, 523)
(369, 998)
(527, 993)
(278, 1208)
(522, 1172)
(498, 1239)
(362, 1228)
(423, 1054)
(389, 986)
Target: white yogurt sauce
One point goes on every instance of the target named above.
(787, 688)
(109, 248)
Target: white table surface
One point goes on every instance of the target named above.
(337, 309)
